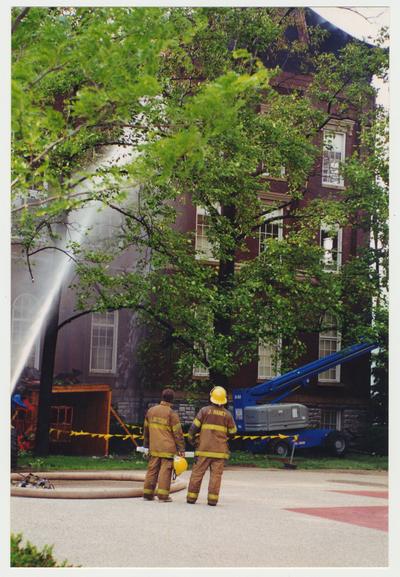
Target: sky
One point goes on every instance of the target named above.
(360, 22)
(363, 23)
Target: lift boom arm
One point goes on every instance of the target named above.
(286, 384)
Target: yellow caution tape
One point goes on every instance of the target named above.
(125, 437)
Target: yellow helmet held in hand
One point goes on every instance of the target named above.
(180, 465)
(218, 396)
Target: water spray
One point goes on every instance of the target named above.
(61, 270)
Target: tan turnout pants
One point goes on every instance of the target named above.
(216, 467)
(159, 469)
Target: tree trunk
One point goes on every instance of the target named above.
(226, 273)
(218, 379)
(42, 441)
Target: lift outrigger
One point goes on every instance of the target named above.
(253, 416)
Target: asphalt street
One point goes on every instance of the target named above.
(265, 518)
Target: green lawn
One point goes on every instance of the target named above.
(66, 463)
(351, 461)
(238, 458)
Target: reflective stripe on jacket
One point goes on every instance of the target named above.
(162, 431)
(214, 424)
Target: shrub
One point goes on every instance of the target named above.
(29, 556)
(375, 440)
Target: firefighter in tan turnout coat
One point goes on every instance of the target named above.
(209, 433)
(164, 438)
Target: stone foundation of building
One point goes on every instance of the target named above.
(353, 421)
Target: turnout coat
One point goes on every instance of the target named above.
(210, 431)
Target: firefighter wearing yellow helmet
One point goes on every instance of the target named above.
(209, 433)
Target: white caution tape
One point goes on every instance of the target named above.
(145, 451)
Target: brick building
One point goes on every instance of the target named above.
(103, 347)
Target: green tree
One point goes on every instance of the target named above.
(207, 120)
(368, 195)
(79, 76)
(211, 154)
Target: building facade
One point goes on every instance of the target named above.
(104, 348)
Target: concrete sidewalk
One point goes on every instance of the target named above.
(265, 518)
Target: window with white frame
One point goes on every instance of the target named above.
(334, 152)
(331, 242)
(268, 360)
(329, 343)
(205, 319)
(203, 223)
(278, 174)
(103, 346)
(200, 370)
(270, 229)
(331, 419)
(22, 319)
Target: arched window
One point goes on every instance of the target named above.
(23, 311)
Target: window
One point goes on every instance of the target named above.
(206, 324)
(22, 319)
(329, 342)
(333, 155)
(61, 420)
(203, 244)
(273, 229)
(278, 174)
(200, 371)
(331, 242)
(331, 419)
(268, 362)
(103, 348)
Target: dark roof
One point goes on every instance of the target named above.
(334, 41)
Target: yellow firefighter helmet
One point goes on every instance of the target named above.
(180, 465)
(218, 396)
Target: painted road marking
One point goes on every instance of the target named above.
(352, 482)
(372, 517)
(377, 494)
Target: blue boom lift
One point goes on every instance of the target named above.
(253, 417)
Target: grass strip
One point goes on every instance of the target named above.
(238, 458)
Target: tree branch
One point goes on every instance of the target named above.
(77, 316)
(285, 15)
(167, 326)
(49, 199)
(70, 134)
(44, 74)
(28, 262)
(48, 148)
(368, 19)
(54, 248)
(19, 19)
(160, 247)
